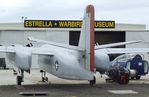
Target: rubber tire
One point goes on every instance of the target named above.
(4, 67)
(93, 82)
(46, 79)
(19, 80)
(138, 77)
(43, 79)
(132, 78)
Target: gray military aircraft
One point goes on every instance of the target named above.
(66, 61)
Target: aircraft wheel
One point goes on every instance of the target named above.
(46, 79)
(43, 79)
(93, 82)
(138, 77)
(132, 78)
(19, 80)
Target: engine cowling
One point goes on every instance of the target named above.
(23, 60)
(102, 62)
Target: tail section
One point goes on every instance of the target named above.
(87, 37)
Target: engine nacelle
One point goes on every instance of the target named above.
(21, 58)
(102, 62)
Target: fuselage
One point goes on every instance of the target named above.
(70, 64)
(65, 63)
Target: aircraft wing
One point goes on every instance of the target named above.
(41, 51)
(56, 44)
(21, 57)
(33, 50)
(7, 49)
(115, 44)
(125, 50)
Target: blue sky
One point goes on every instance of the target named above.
(122, 11)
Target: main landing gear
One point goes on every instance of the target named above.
(20, 77)
(43, 76)
(93, 82)
(137, 77)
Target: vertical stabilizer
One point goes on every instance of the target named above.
(87, 37)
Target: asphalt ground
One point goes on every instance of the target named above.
(56, 87)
